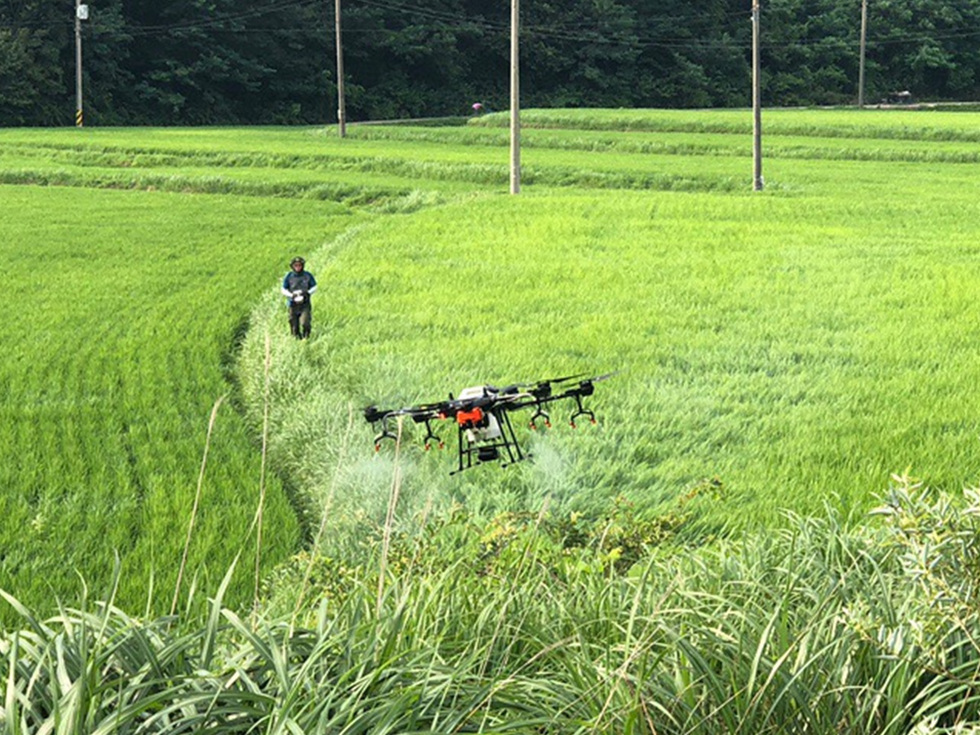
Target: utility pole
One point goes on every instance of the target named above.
(864, 38)
(81, 13)
(515, 98)
(756, 103)
(341, 107)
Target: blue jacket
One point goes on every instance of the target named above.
(302, 281)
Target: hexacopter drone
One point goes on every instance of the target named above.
(482, 416)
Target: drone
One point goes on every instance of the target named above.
(481, 413)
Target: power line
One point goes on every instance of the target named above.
(206, 23)
(219, 24)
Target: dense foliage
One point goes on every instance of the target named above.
(246, 61)
(819, 628)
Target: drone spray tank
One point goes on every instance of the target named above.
(479, 426)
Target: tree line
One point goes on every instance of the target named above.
(195, 62)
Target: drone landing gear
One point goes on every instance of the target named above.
(504, 447)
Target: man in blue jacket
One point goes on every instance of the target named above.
(297, 287)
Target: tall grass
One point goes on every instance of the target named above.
(776, 633)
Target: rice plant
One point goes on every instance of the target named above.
(119, 326)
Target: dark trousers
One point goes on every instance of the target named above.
(300, 320)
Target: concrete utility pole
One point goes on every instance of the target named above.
(341, 107)
(515, 98)
(756, 103)
(81, 13)
(864, 38)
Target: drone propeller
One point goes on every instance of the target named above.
(600, 378)
(564, 379)
(547, 382)
(587, 386)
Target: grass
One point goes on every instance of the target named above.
(801, 349)
(802, 630)
(781, 355)
(119, 323)
(816, 146)
(777, 342)
(843, 123)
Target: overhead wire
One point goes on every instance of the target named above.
(235, 23)
(211, 23)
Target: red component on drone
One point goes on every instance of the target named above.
(469, 419)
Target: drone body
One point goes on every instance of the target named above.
(482, 417)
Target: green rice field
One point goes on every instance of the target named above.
(794, 347)
(764, 533)
(121, 315)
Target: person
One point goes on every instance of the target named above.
(298, 285)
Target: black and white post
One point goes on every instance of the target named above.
(515, 99)
(756, 103)
(81, 13)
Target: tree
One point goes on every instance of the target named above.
(926, 46)
(272, 61)
(32, 38)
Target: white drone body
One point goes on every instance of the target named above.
(491, 428)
